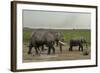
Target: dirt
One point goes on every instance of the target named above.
(58, 56)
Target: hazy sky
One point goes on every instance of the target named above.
(56, 20)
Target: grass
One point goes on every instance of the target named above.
(68, 34)
(26, 35)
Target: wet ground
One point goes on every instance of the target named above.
(58, 56)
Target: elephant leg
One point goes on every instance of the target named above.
(53, 50)
(42, 48)
(57, 41)
(70, 49)
(49, 50)
(39, 51)
(81, 47)
(60, 48)
(36, 50)
(30, 48)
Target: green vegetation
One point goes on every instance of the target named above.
(68, 34)
(26, 34)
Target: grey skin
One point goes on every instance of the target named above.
(41, 38)
(36, 41)
(77, 42)
(59, 38)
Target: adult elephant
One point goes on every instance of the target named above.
(36, 41)
(77, 42)
(41, 38)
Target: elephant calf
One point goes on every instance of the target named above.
(77, 42)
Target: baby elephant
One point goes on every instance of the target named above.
(77, 42)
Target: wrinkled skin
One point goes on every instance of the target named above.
(77, 42)
(36, 42)
(44, 38)
(41, 38)
(59, 37)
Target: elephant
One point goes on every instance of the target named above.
(36, 41)
(40, 38)
(77, 42)
(59, 37)
(59, 40)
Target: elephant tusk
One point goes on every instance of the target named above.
(62, 43)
